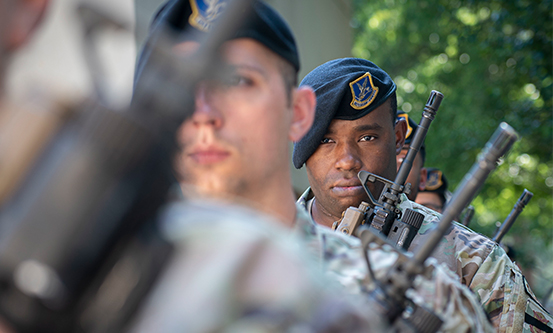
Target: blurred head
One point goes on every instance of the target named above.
(434, 195)
(355, 129)
(236, 142)
(417, 175)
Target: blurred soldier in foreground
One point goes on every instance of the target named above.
(434, 194)
(355, 129)
(418, 174)
(252, 260)
(237, 269)
(234, 148)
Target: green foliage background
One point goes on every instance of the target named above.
(492, 60)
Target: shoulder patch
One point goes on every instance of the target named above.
(363, 91)
(205, 12)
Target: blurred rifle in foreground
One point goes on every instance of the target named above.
(79, 248)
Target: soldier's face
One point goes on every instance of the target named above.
(431, 200)
(236, 142)
(369, 143)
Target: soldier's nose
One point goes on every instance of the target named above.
(347, 158)
(206, 111)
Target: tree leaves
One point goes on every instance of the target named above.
(493, 62)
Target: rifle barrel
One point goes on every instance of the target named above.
(511, 218)
(429, 112)
(500, 142)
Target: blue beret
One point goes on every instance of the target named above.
(193, 18)
(348, 89)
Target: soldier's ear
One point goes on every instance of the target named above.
(303, 108)
(400, 131)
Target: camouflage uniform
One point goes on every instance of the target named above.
(438, 290)
(485, 268)
(235, 270)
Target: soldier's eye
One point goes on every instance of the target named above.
(326, 140)
(367, 138)
(236, 80)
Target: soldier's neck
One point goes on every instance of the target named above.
(278, 201)
(322, 216)
(275, 198)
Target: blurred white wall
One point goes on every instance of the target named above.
(323, 32)
(53, 61)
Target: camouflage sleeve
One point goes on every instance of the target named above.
(485, 268)
(461, 249)
(438, 289)
(244, 276)
(507, 297)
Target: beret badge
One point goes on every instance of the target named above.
(205, 12)
(363, 91)
(434, 180)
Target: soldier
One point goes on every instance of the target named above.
(234, 148)
(417, 175)
(355, 129)
(235, 268)
(434, 195)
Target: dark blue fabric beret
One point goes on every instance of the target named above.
(348, 89)
(191, 19)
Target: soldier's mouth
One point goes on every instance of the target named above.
(347, 190)
(209, 156)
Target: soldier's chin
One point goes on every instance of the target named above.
(345, 203)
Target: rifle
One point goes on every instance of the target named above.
(389, 296)
(81, 227)
(383, 214)
(511, 218)
(469, 213)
